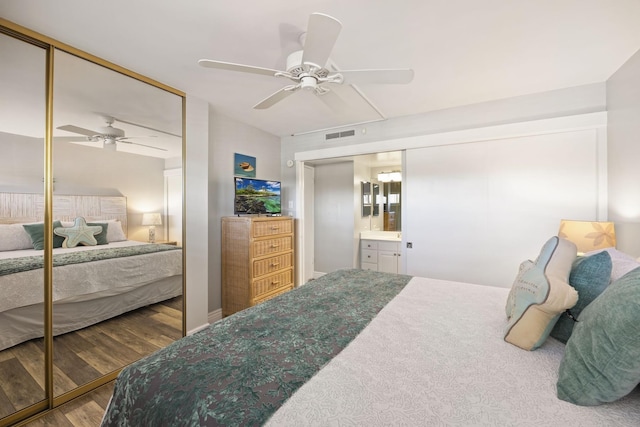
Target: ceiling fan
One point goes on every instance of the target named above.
(308, 70)
(108, 135)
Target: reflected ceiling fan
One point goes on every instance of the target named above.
(308, 70)
(108, 135)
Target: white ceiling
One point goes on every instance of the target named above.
(462, 51)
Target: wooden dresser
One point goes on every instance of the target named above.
(257, 260)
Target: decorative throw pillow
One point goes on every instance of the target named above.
(36, 233)
(540, 294)
(101, 237)
(589, 276)
(622, 263)
(524, 266)
(601, 362)
(115, 232)
(13, 237)
(79, 234)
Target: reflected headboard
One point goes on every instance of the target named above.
(29, 207)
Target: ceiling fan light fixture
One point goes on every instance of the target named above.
(109, 144)
(308, 83)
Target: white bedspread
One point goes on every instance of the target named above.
(80, 282)
(435, 356)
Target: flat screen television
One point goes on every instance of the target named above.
(256, 196)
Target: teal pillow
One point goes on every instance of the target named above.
(601, 362)
(589, 276)
(36, 233)
(101, 238)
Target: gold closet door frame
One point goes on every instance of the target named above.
(50, 45)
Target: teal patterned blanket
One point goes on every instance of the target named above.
(240, 370)
(18, 265)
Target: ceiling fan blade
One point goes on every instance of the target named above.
(377, 76)
(76, 129)
(275, 97)
(333, 101)
(322, 33)
(71, 139)
(209, 63)
(143, 145)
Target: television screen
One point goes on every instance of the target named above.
(256, 196)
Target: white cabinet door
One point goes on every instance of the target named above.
(388, 261)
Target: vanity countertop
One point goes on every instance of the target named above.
(391, 236)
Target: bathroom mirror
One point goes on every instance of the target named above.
(365, 187)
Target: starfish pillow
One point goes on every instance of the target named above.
(79, 234)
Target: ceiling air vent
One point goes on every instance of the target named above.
(342, 134)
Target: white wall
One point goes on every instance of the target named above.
(623, 105)
(226, 137)
(475, 211)
(197, 225)
(335, 237)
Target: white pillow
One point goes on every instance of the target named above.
(13, 237)
(114, 231)
(622, 263)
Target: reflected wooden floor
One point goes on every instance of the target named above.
(84, 411)
(84, 355)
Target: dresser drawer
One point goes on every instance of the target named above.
(269, 284)
(272, 264)
(271, 228)
(369, 255)
(368, 244)
(271, 246)
(280, 291)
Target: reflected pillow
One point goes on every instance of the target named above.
(589, 276)
(13, 237)
(101, 238)
(115, 232)
(79, 234)
(36, 233)
(601, 362)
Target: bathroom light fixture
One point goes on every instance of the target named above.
(395, 176)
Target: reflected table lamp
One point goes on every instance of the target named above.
(152, 219)
(588, 235)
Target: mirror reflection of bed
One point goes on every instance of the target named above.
(113, 303)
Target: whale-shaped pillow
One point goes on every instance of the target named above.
(540, 293)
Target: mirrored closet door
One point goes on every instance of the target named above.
(106, 284)
(22, 150)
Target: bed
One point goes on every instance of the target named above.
(358, 347)
(90, 283)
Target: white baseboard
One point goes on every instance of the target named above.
(199, 328)
(318, 274)
(214, 316)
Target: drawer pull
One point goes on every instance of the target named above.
(274, 246)
(277, 282)
(274, 264)
(275, 228)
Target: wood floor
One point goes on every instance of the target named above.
(82, 356)
(84, 411)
